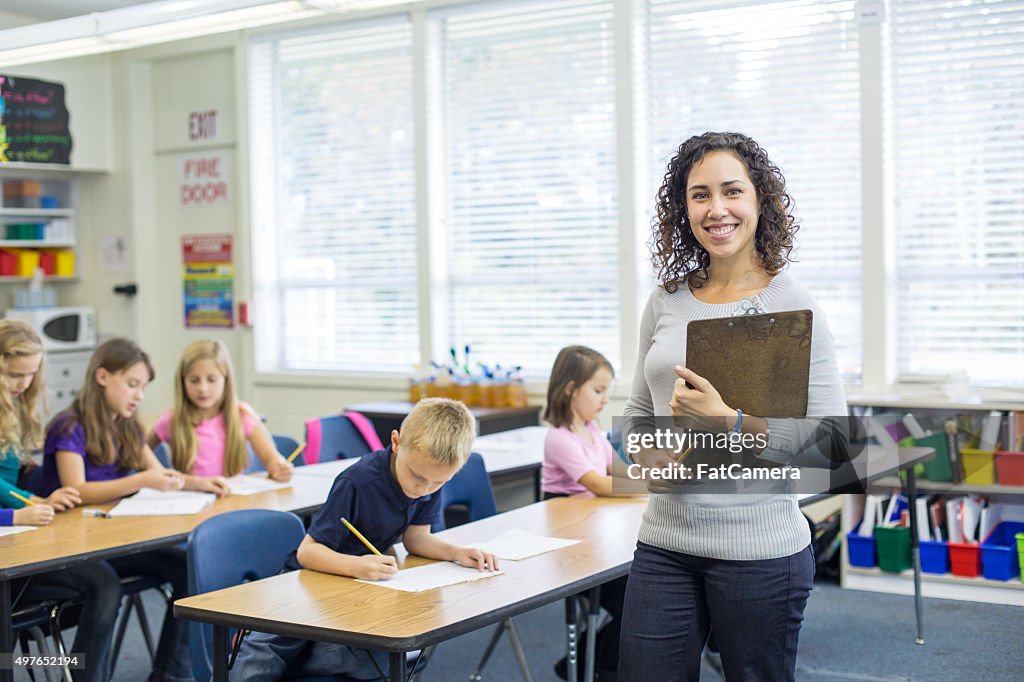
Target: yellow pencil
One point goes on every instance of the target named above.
(360, 536)
(22, 498)
(684, 455)
(296, 453)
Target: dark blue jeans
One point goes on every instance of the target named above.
(98, 588)
(673, 600)
(172, 659)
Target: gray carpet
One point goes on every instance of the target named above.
(847, 635)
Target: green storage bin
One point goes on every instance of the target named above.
(938, 468)
(893, 547)
(1020, 554)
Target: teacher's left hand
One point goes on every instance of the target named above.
(700, 401)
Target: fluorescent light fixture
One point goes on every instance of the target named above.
(159, 22)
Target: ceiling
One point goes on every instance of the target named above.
(46, 10)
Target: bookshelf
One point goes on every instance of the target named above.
(943, 586)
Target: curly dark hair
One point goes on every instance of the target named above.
(676, 253)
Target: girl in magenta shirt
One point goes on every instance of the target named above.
(208, 427)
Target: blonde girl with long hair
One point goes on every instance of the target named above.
(96, 584)
(209, 427)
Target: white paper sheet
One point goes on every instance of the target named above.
(14, 530)
(516, 544)
(432, 576)
(149, 502)
(250, 484)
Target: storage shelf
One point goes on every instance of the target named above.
(908, 574)
(46, 279)
(41, 169)
(36, 244)
(36, 212)
(949, 488)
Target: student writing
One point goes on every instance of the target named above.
(94, 585)
(578, 459)
(94, 446)
(388, 495)
(208, 427)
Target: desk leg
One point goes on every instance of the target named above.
(6, 634)
(398, 671)
(593, 611)
(915, 551)
(571, 638)
(220, 653)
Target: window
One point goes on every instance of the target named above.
(530, 199)
(786, 74)
(957, 145)
(334, 199)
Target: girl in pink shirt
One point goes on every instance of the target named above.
(208, 427)
(577, 456)
(578, 459)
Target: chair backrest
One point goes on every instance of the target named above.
(163, 454)
(284, 444)
(338, 437)
(229, 549)
(471, 487)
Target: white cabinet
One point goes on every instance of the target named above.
(65, 373)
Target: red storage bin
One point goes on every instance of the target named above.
(8, 263)
(1010, 467)
(48, 262)
(965, 559)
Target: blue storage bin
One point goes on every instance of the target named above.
(934, 557)
(999, 552)
(861, 550)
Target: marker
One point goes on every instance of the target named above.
(22, 498)
(296, 453)
(360, 536)
(96, 512)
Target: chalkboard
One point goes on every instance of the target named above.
(33, 121)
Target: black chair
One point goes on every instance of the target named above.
(30, 622)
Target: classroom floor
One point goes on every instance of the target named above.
(847, 635)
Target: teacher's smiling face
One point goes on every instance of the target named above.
(722, 206)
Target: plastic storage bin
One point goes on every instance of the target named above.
(8, 263)
(1020, 554)
(892, 543)
(28, 262)
(938, 468)
(979, 467)
(1010, 467)
(934, 557)
(999, 556)
(861, 549)
(964, 559)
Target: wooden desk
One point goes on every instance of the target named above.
(73, 538)
(388, 416)
(312, 605)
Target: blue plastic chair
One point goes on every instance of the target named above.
(283, 444)
(338, 439)
(471, 488)
(163, 454)
(221, 553)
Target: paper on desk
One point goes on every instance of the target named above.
(432, 576)
(149, 502)
(14, 530)
(244, 484)
(516, 544)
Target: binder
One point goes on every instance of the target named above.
(758, 363)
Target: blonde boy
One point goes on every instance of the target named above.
(388, 495)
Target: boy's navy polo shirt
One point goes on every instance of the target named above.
(370, 498)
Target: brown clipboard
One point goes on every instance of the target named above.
(758, 363)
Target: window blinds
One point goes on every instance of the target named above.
(530, 198)
(333, 197)
(957, 155)
(786, 74)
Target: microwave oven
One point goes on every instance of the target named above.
(60, 328)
